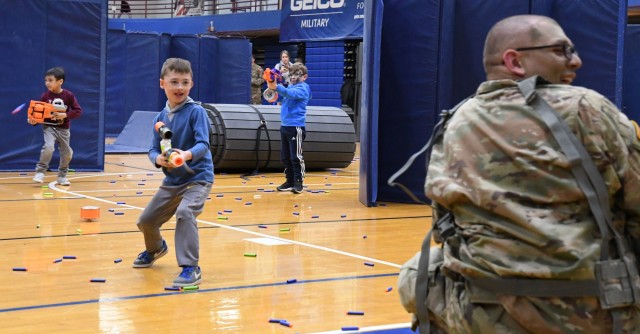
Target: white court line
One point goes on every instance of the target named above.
(369, 329)
(52, 186)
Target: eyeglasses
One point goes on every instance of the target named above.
(177, 84)
(567, 49)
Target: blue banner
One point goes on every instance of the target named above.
(321, 20)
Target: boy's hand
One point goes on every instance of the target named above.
(161, 160)
(272, 85)
(31, 121)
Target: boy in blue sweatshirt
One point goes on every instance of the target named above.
(186, 186)
(292, 126)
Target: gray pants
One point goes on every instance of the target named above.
(186, 201)
(53, 135)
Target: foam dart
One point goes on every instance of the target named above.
(69, 257)
(117, 260)
(57, 260)
(19, 269)
(98, 280)
(389, 289)
(17, 109)
(172, 288)
(350, 328)
(275, 321)
(285, 229)
(190, 288)
(355, 313)
(289, 281)
(250, 254)
(370, 264)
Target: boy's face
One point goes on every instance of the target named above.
(297, 77)
(176, 86)
(52, 84)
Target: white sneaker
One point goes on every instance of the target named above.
(63, 181)
(39, 177)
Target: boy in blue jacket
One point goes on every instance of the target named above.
(185, 187)
(292, 126)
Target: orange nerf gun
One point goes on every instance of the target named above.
(42, 113)
(271, 75)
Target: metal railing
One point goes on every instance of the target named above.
(140, 9)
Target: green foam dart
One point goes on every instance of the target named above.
(285, 229)
(250, 254)
(190, 288)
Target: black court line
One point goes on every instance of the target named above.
(154, 295)
(211, 227)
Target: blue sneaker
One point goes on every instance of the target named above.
(189, 276)
(146, 259)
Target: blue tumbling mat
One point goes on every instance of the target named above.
(137, 134)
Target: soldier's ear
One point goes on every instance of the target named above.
(512, 61)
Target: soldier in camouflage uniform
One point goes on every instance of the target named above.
(256, 82)
(519, 212)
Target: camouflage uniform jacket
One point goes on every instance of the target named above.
(518, 209)
(256, 83)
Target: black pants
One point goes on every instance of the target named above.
(291, 138)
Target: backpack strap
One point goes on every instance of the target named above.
(436, 137)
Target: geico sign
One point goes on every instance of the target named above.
(297, 5)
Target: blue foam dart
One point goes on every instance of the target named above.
(262, 226)
(350, 328)
(229, 211)
(172, 288)
(355, 313)
(19, 269)
(117, 260)
(98, 280)
(276, 321)
(69, 257)
(370, 264)
(289, 281)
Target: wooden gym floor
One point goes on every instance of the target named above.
(331, 236)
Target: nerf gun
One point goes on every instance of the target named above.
(43, 113)
(172, 155)
(271, 75)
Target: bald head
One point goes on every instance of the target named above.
(510, 33)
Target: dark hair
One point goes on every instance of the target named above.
(177, 65)
(56, 72)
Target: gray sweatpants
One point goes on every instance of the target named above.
(53, 135)
(186, 201)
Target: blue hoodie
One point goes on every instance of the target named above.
(190, 127)
(294, 103)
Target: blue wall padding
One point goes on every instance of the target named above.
(368, 185)
(142, 72)
(188, 47)
(408, 90)
(116, 114)
(234, 71)
(37, 35)
(630, 100)
(207, 87)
